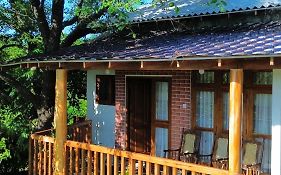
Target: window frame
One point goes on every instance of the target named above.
(111, 91)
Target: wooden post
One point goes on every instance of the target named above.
(60, 121)
(235, 112)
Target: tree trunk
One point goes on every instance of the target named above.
(45, 110)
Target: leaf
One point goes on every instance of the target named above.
(171, 4)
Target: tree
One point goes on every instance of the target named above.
(29, 24)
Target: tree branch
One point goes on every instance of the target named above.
(23, 91)
(39, 13)
(75, 17)
(82, 30)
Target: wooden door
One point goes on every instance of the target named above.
(139, 115)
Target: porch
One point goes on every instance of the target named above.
(82, 157)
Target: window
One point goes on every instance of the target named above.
(161, 118)
(105, 89)
(211, 108)
(258, 114)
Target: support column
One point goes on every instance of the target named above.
(60, 120)
(276, 124)
(235, 112)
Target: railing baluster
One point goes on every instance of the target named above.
(70, 160)
(174, 171)
(193, 173)
(50, 168)
(76, 161)
(40, 158)
(95, 163)
(148, 168)
(183, 172)
(165, 170)
(132, 164)
(122, 166)
(35, 158)
(101, 164)
(156, 169)
(83, 167)
(108, 161)
(30, 148)
(45, 159)
(89, 162)
(115, 165)
(140, 167)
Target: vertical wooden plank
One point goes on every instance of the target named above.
(174, 171)
(50, 159)
(109, 164)
(102, 164)
(148, 168)
(45, 159)
(165, 170)
(35, 158)
(89, 162)
(122, 166)
(60, 120)
(30, 152)
(70, 160)
(83, 158)
(132, 166)
(95, 163)
(183, 172)
(140, 168)
(40, 157)
(76, 160)
(115, 168)
(235, 111)
(156, 169)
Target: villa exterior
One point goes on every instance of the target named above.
(215, 72)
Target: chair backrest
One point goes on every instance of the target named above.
(251, 152)
(190, 141)
(220, 150)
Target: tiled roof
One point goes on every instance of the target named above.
(257, 40)
(190, 8)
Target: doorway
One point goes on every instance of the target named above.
(148, 101)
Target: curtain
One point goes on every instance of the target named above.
(161, 141)
(206, 143)
(262, 114)
(225, 110)
(205, 109)
(162, 100)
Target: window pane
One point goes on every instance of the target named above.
(105, 89)
(263, 78)
(262, 114)
(205, 109)
(225, 78)
(225, 110)
(206, 143)
(162, 100)
(161, 141)
(206, 77)
(266, 155)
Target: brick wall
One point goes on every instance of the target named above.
(180, 115)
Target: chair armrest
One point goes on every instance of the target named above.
(171, 150)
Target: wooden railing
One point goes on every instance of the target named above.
(89, 159)
(41, 146)
(84, 158)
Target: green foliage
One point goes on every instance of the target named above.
(4, 152)
(14, 140)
